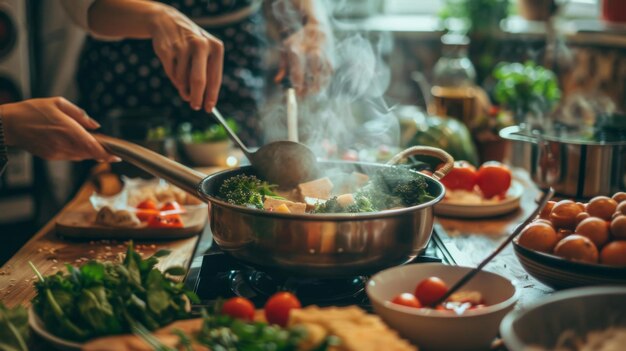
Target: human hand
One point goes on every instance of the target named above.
(305, 58)
(192, 58)
(52, 128)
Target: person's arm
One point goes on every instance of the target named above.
(308, 50)
(52, 128)
(191, 57)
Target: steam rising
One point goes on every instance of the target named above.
(349, 112)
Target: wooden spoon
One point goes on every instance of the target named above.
(467, 277)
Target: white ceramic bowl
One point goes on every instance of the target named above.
(441, 330)
(208, 154)
(576, 310)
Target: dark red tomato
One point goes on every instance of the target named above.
(171, 206)
(407, 299)
(148, 205)
(429, 290)
(239, 307)
(278, 306)
(493, 178)
(461, 177)
(168, 221)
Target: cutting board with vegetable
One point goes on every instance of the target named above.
(80, 222)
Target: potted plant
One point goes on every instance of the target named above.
(528, 90)
(208, 146)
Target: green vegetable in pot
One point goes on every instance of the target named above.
(14, 331)
(245, 190)
(100, 299)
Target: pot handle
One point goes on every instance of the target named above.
(427, 151)
(153, 163)
(514, 133)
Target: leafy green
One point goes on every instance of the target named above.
(212, 133)
(14, 331)
(526, 87)
(245, 190)
(387, 188)
(100, 299)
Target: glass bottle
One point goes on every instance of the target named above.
(454, 78)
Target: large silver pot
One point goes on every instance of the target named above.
(324, 246)
(573, 167)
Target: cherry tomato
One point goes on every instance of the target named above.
(461, 177)
(169, 221)
(430, 290)
(148, 205)
(239, 307)
(278, 306)
(493, 178)
(407, 299)
(171, 206)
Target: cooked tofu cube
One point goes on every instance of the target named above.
(318, 189)
(359, 179)
(293, 207)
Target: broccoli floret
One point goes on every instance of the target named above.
(361, 204)
(245, 190)
(395, 187)
(329, 206)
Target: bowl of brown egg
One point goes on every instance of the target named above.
(573, 244)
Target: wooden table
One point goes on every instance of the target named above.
(50, 253)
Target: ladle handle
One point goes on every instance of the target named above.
(427, 151)
(153, 163)
(216, 113)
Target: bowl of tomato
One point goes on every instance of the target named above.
(468, 320)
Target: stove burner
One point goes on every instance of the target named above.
(308, 290)
(221, 277)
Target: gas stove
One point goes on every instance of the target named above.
(215, 275)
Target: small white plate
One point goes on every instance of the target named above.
(509, 204)
(39, 328)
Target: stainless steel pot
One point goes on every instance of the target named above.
(332, 245)
(574, 168)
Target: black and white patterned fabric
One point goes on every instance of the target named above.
(127, 75)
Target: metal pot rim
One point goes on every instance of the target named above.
(320, 217)
(515, 133)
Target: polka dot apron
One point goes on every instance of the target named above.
(127, 75)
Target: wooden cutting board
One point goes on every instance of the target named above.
(79, 223)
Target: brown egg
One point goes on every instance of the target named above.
(561, 233)
(577, 248)
(618, 227)
(582, 216)
(545, 213)
(541, 220)
(619, 196)
(582, 206)
(616, 214)
(563, 214)
(539, 237)
(621, 208)
(614, 254)
(594, 228)
(601, 206)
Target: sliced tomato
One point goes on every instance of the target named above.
(239, 307)
(461, 177)
(171, 206)
(148, 205)
(168, 221)
(407, 299)
(494, 179)
(278, 306)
